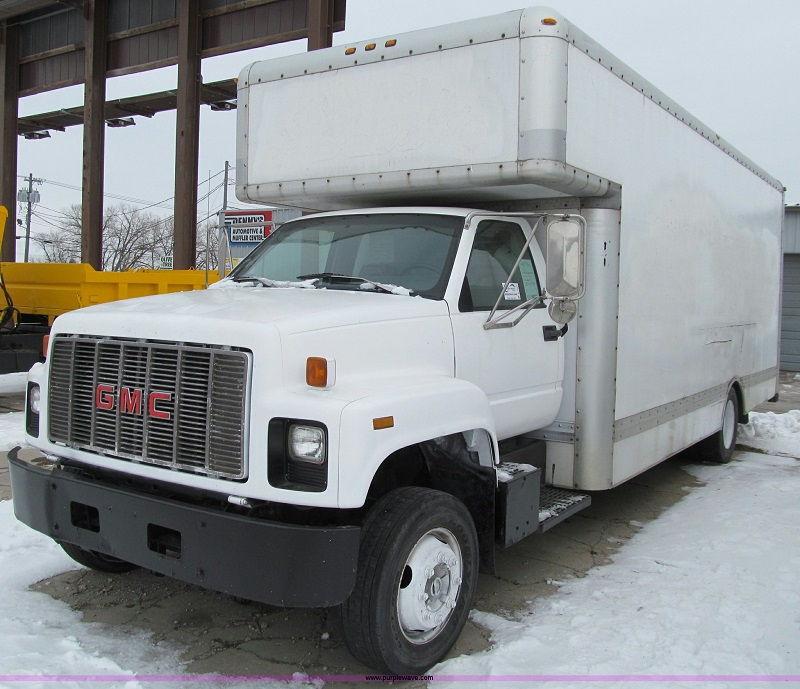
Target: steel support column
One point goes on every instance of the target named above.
(94, 123)
(187, 136)
(9, 84)
(320, 24)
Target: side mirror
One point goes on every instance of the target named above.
(565, 240)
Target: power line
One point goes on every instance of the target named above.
(122, 197)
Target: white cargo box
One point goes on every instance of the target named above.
(482, 110)
(518, 112)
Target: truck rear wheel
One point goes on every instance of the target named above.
(94, 560)
(416, 576)
(719, 447)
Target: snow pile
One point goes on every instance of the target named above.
(12, 430)
(241, 283)
(773, 433)
(708, 588)
(393, 289)
(39, 635)
(13, 382)
(508, 470)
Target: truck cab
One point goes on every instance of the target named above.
(363, 370)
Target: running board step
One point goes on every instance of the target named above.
(558, 504)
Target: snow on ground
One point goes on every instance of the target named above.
(12, 430)
(773, 433)
(709, 588)
(13, 382)
(43, 636)
(39, 635)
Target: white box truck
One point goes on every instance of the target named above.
(534, 276)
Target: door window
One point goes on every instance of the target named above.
(494, 251)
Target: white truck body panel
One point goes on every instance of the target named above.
(282, 327)
(683, 255)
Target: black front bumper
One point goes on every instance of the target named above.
(266, 561)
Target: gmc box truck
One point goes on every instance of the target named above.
(531, 276)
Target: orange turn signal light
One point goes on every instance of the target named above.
(45, 344)
(382, 422)
(317, 372)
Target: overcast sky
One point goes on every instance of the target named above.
(734, 64)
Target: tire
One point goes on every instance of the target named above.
(415, 542)
(97, 561)
(719, 447)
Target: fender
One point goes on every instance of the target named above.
(420, 410)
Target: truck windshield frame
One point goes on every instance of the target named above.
(415, 251)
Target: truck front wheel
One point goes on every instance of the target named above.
(94, 560)
(416, 576)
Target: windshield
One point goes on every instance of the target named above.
(410, 250)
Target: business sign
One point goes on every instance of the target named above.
(165, 262)
(247, 227)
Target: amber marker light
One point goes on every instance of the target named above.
(349, 51)
(382, 422)
(391, 43)
(317, 372)
(369, 46)
(549, 21)
(45, 344)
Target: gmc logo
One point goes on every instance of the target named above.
(130, 400)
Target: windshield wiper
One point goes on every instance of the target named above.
(264, 282)
(346, 278)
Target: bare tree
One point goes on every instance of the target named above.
(207, 238)
(131, 238)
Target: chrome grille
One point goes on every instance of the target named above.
(197, 419)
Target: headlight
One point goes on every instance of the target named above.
(307, 443)
(34, 398)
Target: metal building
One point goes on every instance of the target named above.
(790, 317)
(49, 44)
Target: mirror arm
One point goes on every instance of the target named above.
(525, 307)
(490, 319)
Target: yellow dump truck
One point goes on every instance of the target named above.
(35, 293)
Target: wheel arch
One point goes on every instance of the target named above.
(459, 464)
(736, 386)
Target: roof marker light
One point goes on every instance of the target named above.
(349, 51)
(391, 43)
(369, 46)
(549, 21)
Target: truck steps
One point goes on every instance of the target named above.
(557, 504)
(525, 506)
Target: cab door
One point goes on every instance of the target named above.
(520, 372)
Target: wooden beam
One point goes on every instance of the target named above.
(9, 86)
(187, 135)
(320, 24)
(94, 131)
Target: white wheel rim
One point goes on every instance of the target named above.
(429, 586)
(728, 424)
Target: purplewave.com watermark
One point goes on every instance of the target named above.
(299, 677)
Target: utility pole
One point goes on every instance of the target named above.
(30, 197)
(223, 250)
(225, 188)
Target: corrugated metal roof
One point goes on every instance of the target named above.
(15, 8)
(791, 230)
